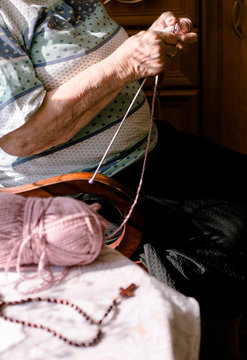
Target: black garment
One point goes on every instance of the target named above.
(194, 200)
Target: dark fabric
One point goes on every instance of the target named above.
(194, 201)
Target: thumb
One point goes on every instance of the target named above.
(167, 19)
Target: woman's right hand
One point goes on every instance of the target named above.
(148, 52)
(70, 107)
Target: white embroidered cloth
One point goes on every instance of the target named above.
(158, 323)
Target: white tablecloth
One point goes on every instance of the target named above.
(158, 323)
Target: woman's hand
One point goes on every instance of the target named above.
(68, 108)
(148, 52)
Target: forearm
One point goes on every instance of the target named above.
(68, 108)
(71, 106)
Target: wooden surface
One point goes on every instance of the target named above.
(144, 13)
(205, 91)
(110, 189)
(180, 90)
(225, 75)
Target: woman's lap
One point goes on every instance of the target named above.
(187, 165)
(195, 203)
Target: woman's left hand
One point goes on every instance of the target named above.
(148, 52)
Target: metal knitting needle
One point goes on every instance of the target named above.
(116, 133)
(176, 28)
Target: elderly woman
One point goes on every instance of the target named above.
(67, 76)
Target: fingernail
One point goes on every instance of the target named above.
(185, 25)
(170, 21)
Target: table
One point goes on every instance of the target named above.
(156, 323)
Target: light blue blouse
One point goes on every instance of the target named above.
(42, 45)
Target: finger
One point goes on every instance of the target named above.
(180, 47)
(185, 25)
(171, 51)
(166, 19)
(170, 19)
(166, 37)
(189, 38)
(169, 29)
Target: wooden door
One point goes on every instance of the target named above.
(180, 92)
(225, 72)
(145, 12)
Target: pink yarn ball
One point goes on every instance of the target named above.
(48, 231)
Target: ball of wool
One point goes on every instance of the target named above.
(58, 231)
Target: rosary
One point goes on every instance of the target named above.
(123, 293)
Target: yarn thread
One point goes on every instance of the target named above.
(36, 232)
(59, 231)
(183, 25)
(52, 231)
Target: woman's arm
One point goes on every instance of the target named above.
(68, 108)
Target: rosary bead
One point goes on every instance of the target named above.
(87, 317)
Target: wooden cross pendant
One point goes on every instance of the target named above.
(129, 291)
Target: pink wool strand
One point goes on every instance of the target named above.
(38, 232)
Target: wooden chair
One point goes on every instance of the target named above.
(110, 189)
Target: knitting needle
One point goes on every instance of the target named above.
(117, 131)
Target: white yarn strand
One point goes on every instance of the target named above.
(116, 133)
